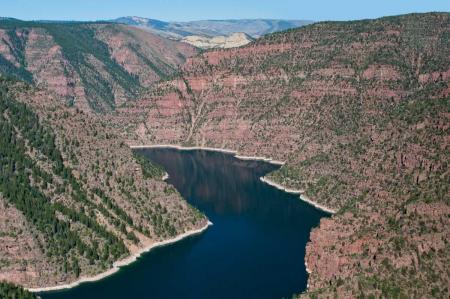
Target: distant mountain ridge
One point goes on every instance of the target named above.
(211, 28)
(210, 34)
(205, 34)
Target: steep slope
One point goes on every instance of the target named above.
(94, 66)
(211, 28)
(360, 112)
(73, 198)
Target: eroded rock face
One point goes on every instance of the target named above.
(6, 48)
(92, 66)
(364, 249)
(359, 115)
(51, 70)
(143, 54)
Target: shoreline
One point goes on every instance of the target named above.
(301, 193)
(211, 149)
(132, 258)
(121, 263)
(309, 273)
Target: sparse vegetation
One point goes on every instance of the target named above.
(149, 169)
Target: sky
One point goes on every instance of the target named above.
(178, 10)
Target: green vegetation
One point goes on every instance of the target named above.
(24, 183)
(359, 112)
(17, 49)
(414, 111)
(149, 169)
(83, 50)
(78, 43)
(9, 69)
(85, 47)
(11, 291)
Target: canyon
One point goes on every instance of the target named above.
(357, 111)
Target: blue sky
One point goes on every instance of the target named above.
(177, 10)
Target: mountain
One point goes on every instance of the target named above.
(144, 22)
(255, 28)
(211, 28)
(360, 113)
(94, 66)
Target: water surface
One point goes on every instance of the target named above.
(255, 249)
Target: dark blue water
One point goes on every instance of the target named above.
(255, 249)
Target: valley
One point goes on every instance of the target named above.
(357, 111)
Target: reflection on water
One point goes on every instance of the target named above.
(214, 181)
(255, 248)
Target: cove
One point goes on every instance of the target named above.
(255, 248)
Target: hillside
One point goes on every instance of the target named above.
(93, 66)
(360, 112)
(211, 28)
(73, 197)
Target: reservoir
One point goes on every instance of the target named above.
(255, 249)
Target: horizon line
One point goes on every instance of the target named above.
(222, 19)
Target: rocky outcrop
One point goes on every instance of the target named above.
(224, 42)
(143, 54)
(51, 70)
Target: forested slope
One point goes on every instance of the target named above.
(10, 291)
(73, 198)
(94, 66)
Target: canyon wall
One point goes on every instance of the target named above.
(359, 111)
